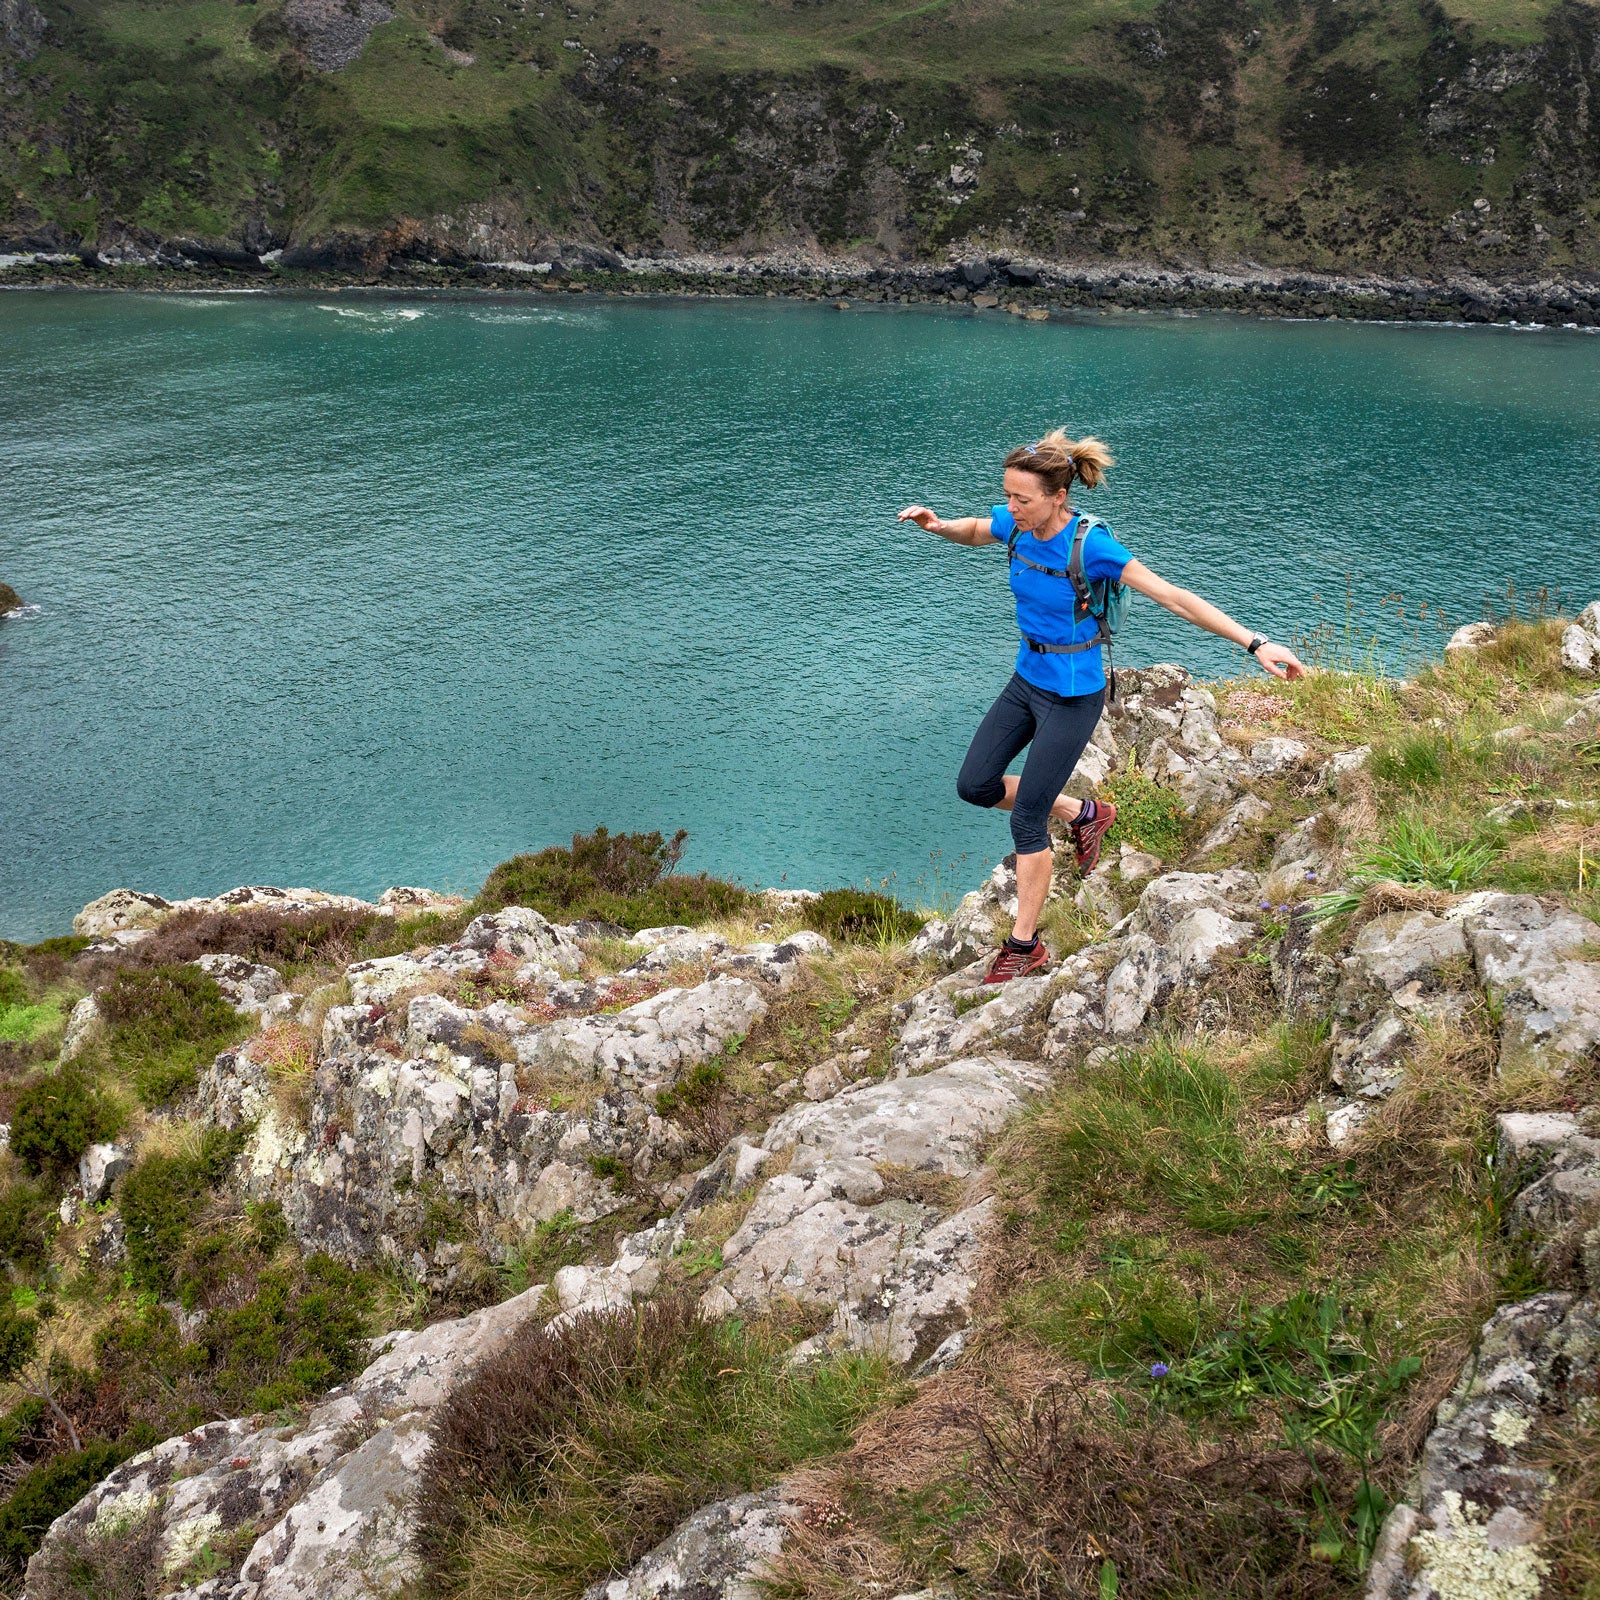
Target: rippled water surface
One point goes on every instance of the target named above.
(356, 590)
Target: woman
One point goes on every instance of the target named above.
(1056, 693)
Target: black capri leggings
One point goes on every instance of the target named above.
(1059, 727)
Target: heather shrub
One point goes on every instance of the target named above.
(163, 1024)
(861, 915)
(56, 1119)
(160, 1200)
(54, 1486)
(282, 939)
(25, 1226)
(624, 878)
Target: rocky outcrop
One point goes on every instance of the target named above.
(497, 1113)
(327, 1498)
(1471, 1523)
(123, 910)
(333, 33)
(22, 30)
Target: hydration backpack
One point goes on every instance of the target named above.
(1102, 598)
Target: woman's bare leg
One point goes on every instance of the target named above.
(1035, 870)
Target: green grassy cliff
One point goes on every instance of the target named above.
(1355, 135)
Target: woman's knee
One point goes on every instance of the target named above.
(979, 790)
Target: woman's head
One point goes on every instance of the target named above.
(1038, 476)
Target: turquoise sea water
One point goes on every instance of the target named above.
(352, 590)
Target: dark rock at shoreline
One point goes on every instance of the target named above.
(10, 600)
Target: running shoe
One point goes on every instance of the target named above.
(1009, 963)
(1086, 836)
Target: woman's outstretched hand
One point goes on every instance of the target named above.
(1280, 661)
(928, 521)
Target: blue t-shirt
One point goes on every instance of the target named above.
(1045, 604)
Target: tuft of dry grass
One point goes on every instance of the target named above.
(1570, 1451)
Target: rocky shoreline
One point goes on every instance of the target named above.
(997, 281)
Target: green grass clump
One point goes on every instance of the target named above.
(624, 878)
(163, 1025)
(1149, 817)
(57, 1118)
(569, 1455)
(861, 916)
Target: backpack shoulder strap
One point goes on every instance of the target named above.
(1080, 584)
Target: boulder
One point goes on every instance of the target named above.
(1532, 960)
(1471, 636)
(99, 1167)
(1580, 643)
(246, 985)
(10, 600)
(720, 1553)
(118, 910)
(525, 935)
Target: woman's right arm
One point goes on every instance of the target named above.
(960, 530)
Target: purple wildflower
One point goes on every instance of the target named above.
(1160, 1369)
(1266, 905)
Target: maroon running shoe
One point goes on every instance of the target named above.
(1009, 963)
(1086, 836)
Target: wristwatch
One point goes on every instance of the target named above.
(1256, 642)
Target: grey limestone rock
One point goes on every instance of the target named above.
(82, 1025)
(247, 985)
(717, 1554)
(1534, 962)
(99, 1167)
(1470, 636)
(936, 1030)
(1246, 809)
(1580, 643)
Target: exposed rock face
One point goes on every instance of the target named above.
(1530, 961)
(331, 32)
(1471, 636)
(899, 1278)
(1475, 1515)
(501, 1113)
(10, 600)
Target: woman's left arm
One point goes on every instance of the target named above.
(1277, 659)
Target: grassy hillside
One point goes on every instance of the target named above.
(1320, 133)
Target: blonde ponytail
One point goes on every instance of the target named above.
(1056, 460)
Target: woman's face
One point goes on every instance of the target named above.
(1028, 501)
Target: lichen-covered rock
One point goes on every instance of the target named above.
(329, 1501)
(99, 1167)
(1532, 960)
(1475, 1516)
(526, 935)
(642, 1049)
(83, 1025)
(1470, 636)
(934, 1122)
(959, 1017)
(246, 985)
(118, 910)
(720, 1553)
(1246, 809)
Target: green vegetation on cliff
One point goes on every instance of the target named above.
(1397, 134)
